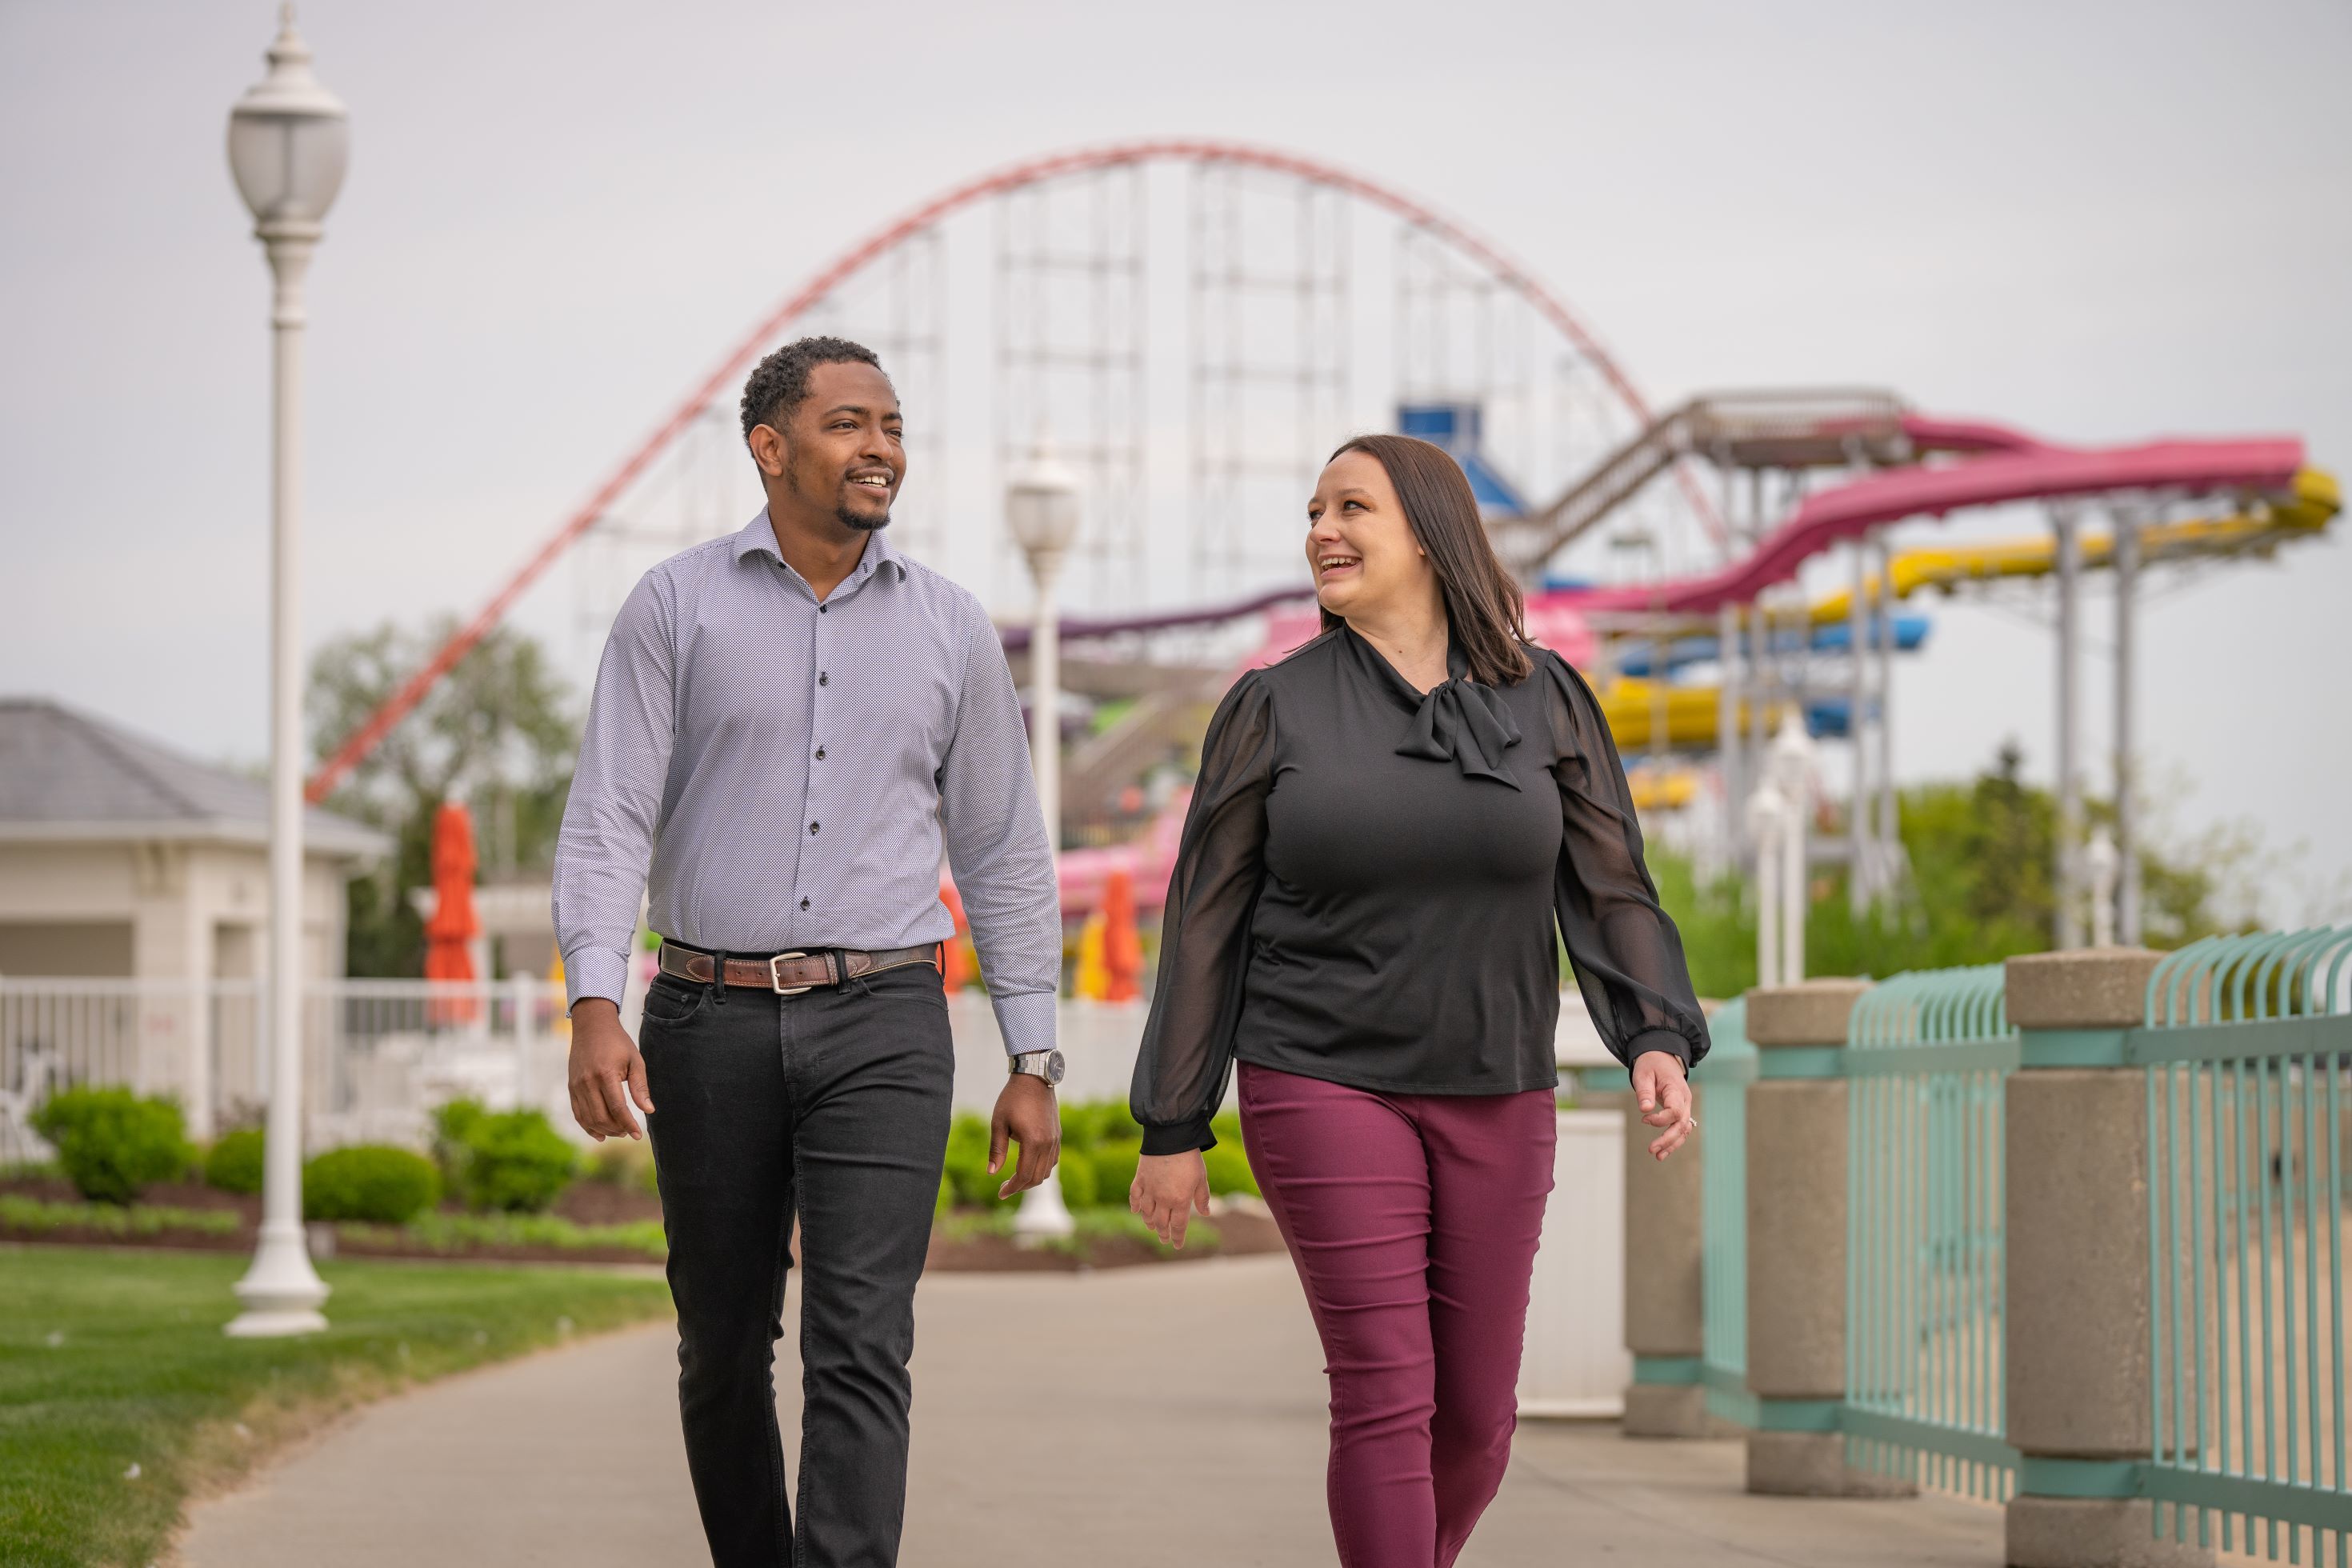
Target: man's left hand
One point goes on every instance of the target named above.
(1026, 1114)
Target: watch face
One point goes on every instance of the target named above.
(1053, 1067)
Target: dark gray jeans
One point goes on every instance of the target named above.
(832, 1105)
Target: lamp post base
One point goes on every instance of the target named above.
(281, 1292)
(1043, 1215)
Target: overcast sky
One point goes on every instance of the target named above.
(2102, 222)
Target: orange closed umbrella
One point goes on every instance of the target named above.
(1122, 949)
(955, 954)
(449, 935)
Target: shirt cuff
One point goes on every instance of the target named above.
(1667, 1040)
(1180, 1138)
(1026, 1019)
(594, 971)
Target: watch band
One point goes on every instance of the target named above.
(1035, 1064)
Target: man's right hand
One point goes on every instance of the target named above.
(607, 1073)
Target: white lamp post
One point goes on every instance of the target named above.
(1793, 770)
(288, 139)
(1765, 811)
(2101, 862)
(1041, 506)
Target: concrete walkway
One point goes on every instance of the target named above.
(1176, 1419)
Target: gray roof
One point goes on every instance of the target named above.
(66, 776)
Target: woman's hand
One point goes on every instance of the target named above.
(1168, 1188)
(1665, 1097)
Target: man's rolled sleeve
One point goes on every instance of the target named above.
(594, 971)
(997, 847)
(614, 810)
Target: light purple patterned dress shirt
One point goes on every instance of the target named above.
(774, 774)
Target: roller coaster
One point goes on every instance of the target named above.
(1639, 568)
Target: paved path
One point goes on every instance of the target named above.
(1178, 1420)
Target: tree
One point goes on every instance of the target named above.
(496, 733)
(1980, 889)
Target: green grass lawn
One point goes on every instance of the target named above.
(111, 1360)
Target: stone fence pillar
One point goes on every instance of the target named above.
(2077, 1310)
(1796, 1242)
(1664, 1321)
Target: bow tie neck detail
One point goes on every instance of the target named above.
(1466, 722)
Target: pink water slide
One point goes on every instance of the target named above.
(2014, 467)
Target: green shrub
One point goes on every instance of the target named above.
(454, 1125)
(233, 1164)
(967, 1161)
(967, 1166)
(30, 1216)
(1089, 1122)
(459, 1233)
(1229, 1170)
(1114, 1163)
(113, 1143)
(623, 1162)
(515, 1161)
(371, 1181)
(1076, 1172)
(1228, 1129)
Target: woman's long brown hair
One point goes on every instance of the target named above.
(1488, 612)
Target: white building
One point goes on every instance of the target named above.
(119, 858)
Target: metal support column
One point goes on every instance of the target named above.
(2067, 870)
(2127, 923)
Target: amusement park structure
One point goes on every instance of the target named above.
(1661, 550)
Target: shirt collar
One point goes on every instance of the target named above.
(760, 535)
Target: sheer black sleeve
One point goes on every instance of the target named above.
(1627, 955)
(1204, 933)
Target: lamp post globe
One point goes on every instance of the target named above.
(1041, 503)
(289, 141)
(1041, 508)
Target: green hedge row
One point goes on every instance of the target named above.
(1101, 1144)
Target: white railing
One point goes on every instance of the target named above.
(380, 1055)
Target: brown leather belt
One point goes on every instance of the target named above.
(790, 973)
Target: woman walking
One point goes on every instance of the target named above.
(1387, 828)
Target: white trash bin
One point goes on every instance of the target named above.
(1576, 1363)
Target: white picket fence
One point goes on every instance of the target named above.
(379, 1055)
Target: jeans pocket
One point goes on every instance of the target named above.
(674, 1001)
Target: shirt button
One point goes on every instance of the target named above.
(813, 826)
(822, 608)
(803, 903)
(820, 753)
(822, 679)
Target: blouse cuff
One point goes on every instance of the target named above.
(1181, 1138)
(1667, 1040)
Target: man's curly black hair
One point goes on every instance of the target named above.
(780, 383)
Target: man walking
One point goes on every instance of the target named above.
(789, 722)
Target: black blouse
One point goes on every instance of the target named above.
(1367, 882)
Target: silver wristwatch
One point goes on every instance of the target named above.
(1046, 1065)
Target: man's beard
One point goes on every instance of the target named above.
(863, 525)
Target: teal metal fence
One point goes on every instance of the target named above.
(1719, 1093)
(2247, 1042)
(1924, 1058)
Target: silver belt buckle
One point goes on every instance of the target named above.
(776, 975)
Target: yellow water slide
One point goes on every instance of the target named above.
(1632, 704)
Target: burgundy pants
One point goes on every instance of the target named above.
(1414, 1220)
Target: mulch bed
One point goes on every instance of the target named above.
(1241, 1233)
